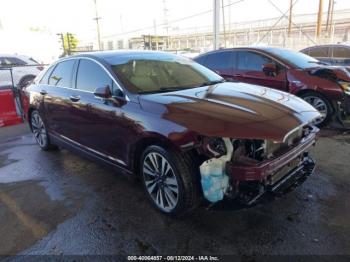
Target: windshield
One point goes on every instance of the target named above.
(152, 73)
(297, 59)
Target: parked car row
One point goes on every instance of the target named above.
(185, 131)
(331, 54)
(24, 69)
(325, 87)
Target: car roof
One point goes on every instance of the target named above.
(328, 45)
(114, 53)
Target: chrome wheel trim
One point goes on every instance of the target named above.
(320, 105)
(160, 181)
(39, 130)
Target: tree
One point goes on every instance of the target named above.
(70, 43)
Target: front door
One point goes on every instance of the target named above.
(100, 124)
(249, 69)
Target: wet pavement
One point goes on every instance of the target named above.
(60, 203)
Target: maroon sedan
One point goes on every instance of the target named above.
(176, 124)
(327, 88)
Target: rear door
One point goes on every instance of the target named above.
(56, 87)
(248, 68)
(221, 62)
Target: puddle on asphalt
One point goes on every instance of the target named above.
(27, 214)
(5, 160)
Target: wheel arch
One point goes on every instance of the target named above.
(139, 147)
(30, 112)
(311, 91)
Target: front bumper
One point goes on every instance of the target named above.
(345, 105)
(250, 182)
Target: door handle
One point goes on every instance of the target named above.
(43, 92)
(74, 98)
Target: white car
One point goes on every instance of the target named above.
(24, 70)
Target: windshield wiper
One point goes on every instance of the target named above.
(178, 88)
(165, 89)
(317, 62)
(214, 82)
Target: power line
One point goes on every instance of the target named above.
(173, 21)
(275, 24)
(284, 16)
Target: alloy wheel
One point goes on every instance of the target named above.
(320, 105)
(39, 130)
(160, 181)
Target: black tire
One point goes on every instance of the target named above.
(324, 104)
(40, 133)
(25, 81)
(189, 194)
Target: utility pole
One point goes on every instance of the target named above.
(223, 21)
(166, 22)
(319, 19)
(62, 42)
(216, 24)
(68, 36)
(97, 18)
(331, 18)
(290, 18)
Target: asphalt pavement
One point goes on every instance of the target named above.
(60, 203)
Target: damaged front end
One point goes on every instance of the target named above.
(245, 169)
(341, 77)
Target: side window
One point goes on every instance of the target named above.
(200, 60)
(62, 74)
(249, 61)
(91, 75)
(12, 61)
(219, 60)
(45, 79)
(319, 51)
(341, 52)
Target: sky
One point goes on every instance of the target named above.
(118, 17)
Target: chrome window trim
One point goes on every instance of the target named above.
(98, 63)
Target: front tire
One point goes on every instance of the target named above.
(321, 103)
(40, 133)
(170, 180)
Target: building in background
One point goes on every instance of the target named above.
(272, 32)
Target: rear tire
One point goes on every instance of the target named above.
(321, 104)
(170, 180)
(40, 133)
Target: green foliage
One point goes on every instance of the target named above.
(70, 43)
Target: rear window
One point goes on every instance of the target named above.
(11, 61)
(341, 52)
(47, 73)
(219, 60)
(62, 74)
(318, 51)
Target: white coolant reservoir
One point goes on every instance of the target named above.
(213, 178)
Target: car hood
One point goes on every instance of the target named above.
(339, 72)
(232, 110)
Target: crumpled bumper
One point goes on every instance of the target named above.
(290, 169)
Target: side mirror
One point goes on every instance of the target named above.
(270, 69)
(103, 92)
